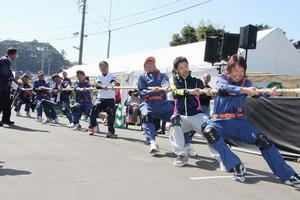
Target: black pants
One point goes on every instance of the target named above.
(5, 103)
(108, 106)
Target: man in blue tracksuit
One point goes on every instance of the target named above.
(41, 89)
(83, 102)
(152, 85)
(61, 100)
(229, 121)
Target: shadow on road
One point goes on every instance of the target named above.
(13, 172)
(19, 128)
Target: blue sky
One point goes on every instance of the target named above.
(55, 21)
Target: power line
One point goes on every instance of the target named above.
(155, 18)
(141, 22)
(145, 11)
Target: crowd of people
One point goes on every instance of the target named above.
(181, 101)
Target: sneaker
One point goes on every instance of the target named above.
(39, 119)
(154, 148)
(111, 135)
(191, 151)
(91, 131)
(18, 114)
(239, 173)
(181, 160)
(28, 115)
(76, 127)
(55, 121)
(70, 125)
(46, 121)
(294, 181)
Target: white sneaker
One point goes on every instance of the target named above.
(18, 114)
(46, 121)
(77, 127)
(39, 119)
(181, 160)
(71, 125)
(28, 115)
(154, 148)
(191, 151)
(55, 121)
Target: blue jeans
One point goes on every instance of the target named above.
(78, 109)
(39, 107)
(20, 102)
(49, 108)
(152, 110)
(243, 130)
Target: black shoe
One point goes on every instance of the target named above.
(1, 124)
(8, 123)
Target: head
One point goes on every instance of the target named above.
(236, 68)
(103, 66)
(206, 78)
(150, 64)
(12, 53)
(57, 79)
(181, 66)
(25, 78)
(41, 75)
(65, 74)
(80, 75)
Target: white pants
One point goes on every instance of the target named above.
(188, 123)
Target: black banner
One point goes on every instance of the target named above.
(279, 119)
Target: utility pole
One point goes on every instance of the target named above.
(82, 32)
(109, 31)
(43, 58)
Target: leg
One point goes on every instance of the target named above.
(280, 168)
(76, 111)
(95, 111)
(6, 110)
(110, 110)
(214, 133)
(65, 107)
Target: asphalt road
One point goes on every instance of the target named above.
(41, 162)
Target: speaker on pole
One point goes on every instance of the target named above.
(230, 45)
(212, 49)
(248, 36)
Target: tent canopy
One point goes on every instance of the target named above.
(273, 54)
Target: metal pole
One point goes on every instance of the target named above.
(109, 31)
(82, 32)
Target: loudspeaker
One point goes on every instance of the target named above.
(248, 35)
(212, 49)
(230, 45)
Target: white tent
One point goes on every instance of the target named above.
(274, 54)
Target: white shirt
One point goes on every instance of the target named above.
(106, 81)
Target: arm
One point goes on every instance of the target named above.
(175, 90)
(142, 87)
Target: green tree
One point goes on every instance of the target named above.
(30, 56)
(189, 34)
(208, 29)
(262, 26)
